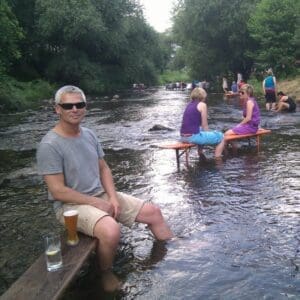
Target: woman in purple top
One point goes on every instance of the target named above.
(194, 127)
(251, 113)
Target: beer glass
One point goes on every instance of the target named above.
(70, 217)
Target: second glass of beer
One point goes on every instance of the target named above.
(71, 217)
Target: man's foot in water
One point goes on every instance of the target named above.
(109, 281)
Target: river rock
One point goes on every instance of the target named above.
(160, 127)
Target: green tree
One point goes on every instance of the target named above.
(214, 36)
(100, 44)
(273, 25)
(10, 36)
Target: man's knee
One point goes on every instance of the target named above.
(107, 229)
(155, 212)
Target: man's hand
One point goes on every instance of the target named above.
(116, 207)
(111, 206)
(105, 206)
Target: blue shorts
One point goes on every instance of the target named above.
(206, 138)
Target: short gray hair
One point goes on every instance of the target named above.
(68, 89)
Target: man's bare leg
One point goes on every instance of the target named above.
(152, 216)
(107, 231)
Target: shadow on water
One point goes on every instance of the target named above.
(237, 221)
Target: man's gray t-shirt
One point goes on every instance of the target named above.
(77, 158)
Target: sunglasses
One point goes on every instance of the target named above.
(69, 106)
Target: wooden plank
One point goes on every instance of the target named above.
(233, 137)
(176, 145)
(37, 283)
(184, 148)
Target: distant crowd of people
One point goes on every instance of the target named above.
(138, 86)
(284, 103)
(179, 85)
(235, 85)
(187, 86)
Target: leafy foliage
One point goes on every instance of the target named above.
(103, 45)
(214, 37)
(17, 96)
(100, 45)
(222, 37)
(273, 25)
(11, 34)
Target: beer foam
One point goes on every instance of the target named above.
(70, 213)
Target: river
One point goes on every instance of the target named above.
(237, 221)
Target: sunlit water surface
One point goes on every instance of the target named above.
(237, 221)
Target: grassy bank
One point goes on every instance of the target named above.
(19, 96)
(290, 87)
(173, 76)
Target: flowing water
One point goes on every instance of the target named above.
(237, 221)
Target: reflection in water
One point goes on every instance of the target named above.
(237, 221)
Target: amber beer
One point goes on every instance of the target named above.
(71, 217)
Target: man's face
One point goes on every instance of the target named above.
(69, 113)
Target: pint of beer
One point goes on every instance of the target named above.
(71, 217)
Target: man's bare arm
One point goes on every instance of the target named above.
(61, 192)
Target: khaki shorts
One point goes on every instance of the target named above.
(90, 215)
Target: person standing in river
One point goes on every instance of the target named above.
(225, 85)
(239, 78)
(194, 127)
(269, 90)
(71, 160)
(251, 113)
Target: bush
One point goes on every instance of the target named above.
(19, 96)
(173, 76)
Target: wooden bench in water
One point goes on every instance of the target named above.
(37, 283)
(184, 148)
(257, 135)
(180, 149)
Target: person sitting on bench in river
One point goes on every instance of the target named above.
(194, 127)
(251, 113)
(71, 160)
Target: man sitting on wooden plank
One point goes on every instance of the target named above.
(71, 159)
